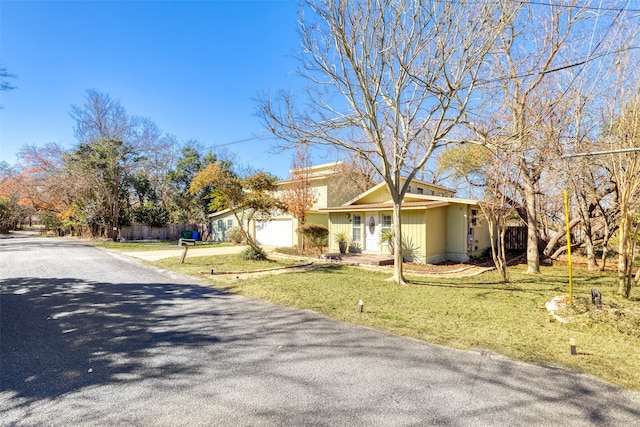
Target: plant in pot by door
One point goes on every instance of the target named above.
(387, 237)
(341, 240)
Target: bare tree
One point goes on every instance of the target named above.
(356, 171)
(527, 115)
(624, 132)
(494, 176)
(113, 144)
(400, 72)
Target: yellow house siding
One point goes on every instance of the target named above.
(457, 230)
(413, 235)
(317, 218)
(433, 235)
(311, 218)
(319, 190)
(338, 223)
(380, 195)
(436, 235)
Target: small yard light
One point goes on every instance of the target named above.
(572, 345)
(360, 306)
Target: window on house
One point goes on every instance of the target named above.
(387, 222)
(356, 232)
(220, 225)
(229, 223)
(430, 192)
(409, 189)
(420, 190)
(441, 194)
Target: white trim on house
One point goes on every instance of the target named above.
(408, 194)
(219, 213)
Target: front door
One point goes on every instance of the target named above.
(372, 241)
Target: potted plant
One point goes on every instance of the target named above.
(387, 237)
(341, 240)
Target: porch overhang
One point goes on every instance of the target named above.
(387, 206)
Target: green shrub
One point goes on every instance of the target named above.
(149, 213)
(314, 233)
(234, 235)
(254, 254)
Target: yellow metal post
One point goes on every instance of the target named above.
(566, 214)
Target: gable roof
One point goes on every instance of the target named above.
(219, 213)
(426, 204)
(410, 201)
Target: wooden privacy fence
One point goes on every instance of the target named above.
(168, 232)
(515, 239)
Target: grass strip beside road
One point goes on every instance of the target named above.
(150, 246)
(466, 313)
(194, 266)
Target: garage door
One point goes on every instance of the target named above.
(274, 233)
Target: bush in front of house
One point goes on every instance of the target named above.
(316, 234)
(234, 235)
(253, 254)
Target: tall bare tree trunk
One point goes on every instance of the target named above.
(605, 244)
(632, 251)
(533, 233)
(623, 247)
(498, 253)
(398, 274)
(585, 216)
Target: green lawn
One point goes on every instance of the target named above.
(471, 313)
(223, 263)
(149, 246)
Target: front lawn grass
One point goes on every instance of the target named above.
(150, 246)
(475, 313)
(222, 264)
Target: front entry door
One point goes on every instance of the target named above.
(372, 241)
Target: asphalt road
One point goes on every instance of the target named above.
(92, 338)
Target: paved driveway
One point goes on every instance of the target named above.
(93, 338)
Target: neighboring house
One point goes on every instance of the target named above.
(436, 226)
(329, 188)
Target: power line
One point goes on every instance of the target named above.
(263, 136)
(598, 153)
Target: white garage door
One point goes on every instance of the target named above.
(274, 233)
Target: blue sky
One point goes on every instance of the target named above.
(194, 67)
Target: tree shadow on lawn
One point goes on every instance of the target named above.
(491, 286)
(59, 335)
